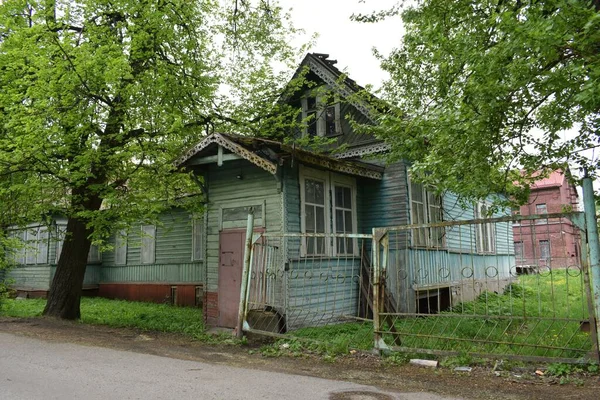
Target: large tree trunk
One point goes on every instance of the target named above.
(65, 291)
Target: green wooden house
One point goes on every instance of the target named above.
(191, 260)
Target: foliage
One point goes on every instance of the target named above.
(119, 313)
(105, 95)
(99, 98)
(480, 89)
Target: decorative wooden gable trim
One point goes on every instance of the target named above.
(332, 80)
(339, 166)
(217, 138)
(364, 150)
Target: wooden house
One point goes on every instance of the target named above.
(295, 191)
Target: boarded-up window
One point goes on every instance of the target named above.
(545, 250)
(121, 248)
(197, 239)
(519, 251)
(147, 253)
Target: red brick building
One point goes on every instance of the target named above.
(550, 242)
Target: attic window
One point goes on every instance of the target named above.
(322, 118)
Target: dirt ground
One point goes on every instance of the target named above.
(480, 383)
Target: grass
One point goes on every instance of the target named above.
(537, 315)
(119, 313)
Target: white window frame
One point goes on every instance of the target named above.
(321, 115)
(148, 244)
(198, 224)
(322, 176)
(350, 183)
(429, 241)
(330, 181)
(483, 229)
(120, 251)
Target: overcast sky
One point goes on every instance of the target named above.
(346, 41)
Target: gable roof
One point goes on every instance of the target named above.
(269, 154)
(324, 68)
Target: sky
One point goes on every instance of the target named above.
(351, 43)
(348, 42)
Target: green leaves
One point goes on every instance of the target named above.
(489, 87)
(97, 98)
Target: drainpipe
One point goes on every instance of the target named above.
(245, 274)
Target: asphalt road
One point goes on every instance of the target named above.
(33, 369)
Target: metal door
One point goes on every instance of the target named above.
(231, 261)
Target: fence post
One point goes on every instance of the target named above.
(245, 274)
(593, 246)
(376, 281)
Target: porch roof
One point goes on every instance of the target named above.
(268, 154)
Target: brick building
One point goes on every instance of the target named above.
(551, 242)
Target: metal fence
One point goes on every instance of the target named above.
(515, 287)
(511, 287)
(315, 287)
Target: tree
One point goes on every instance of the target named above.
(98, 97)
(481, 89)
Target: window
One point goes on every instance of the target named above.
(94, 255)
(485, 231)
(342, 205)
(197, 238)
(121, 248)
(545, 250)
(61, 231)
(541, 208)
(322, 117)
(321, 194)
(519, 253)
(35, 245)
(314, 214)
(426, 208)
(148, 244)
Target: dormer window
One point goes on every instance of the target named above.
(321, 116)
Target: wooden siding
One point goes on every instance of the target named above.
(321, 291)
(463, 238)
(173, 254)
(384, 203)
(226, 190)
(30, 277)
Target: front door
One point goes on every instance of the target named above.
(231, 262)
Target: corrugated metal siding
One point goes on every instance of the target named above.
(164, 273)
(225, 190)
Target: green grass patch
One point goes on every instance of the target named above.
(536, 315)
(122, 314)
